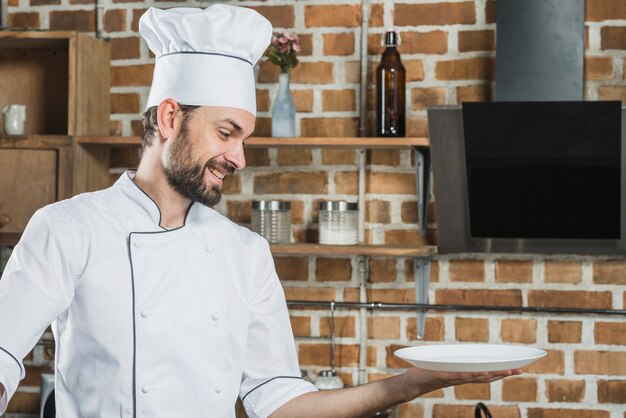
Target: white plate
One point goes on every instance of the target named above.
(470, 357)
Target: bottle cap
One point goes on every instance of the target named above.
(391, 38)
(270, 205)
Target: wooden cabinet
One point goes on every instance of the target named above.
(63, 79)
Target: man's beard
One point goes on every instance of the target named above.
(187, 177)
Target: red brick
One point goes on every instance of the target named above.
(238, 211)
(313, 73)
(263, 100)
(280, 16)
(134, 24)
(467, 270)
(612, 391)
(300, 325)
(477, 40)
(411, 410)
(306, 45)
(303, 99)
(422, 98)
(612, 93)
(434, 42)
(439, 14)
(338, 43)
(344, 326)
(257, 157)
(291, 182)
(338, 100)
(600, 362)
(519, 389)
(564, 331)
(471, 329)
(24, 20)
(332, 15)
(599, 10)
(482, 68)
(570, 299)
(43, 2)
(347, 182)
(382, 270)
(408, 237)
(612, 333)
(481, 93)
(598, 68)
(232, 185)
(473, 392)
(124, 103)
(391, 295)
(346, 355)
(562, 390)
(562, 413)
(490, 11)
(292, 268)
(338, 156)
(562, 272)
(333, 269)
(394, 361)
(329, 127)
(414, 70)
(310, 293)
(464, 411)
(479, 297)
(613, 37)
(132, 75)
(434, 329)
(78, 20)
(408, 271)
(391, 183)
(553, 362)
(512, 271)
(114, 20)
(383, 327)
(294, 156)
(115, 128)
(389, 157)
(417, 127)
(378, 211)
(609, 272)
(518, 330)
(408, 212)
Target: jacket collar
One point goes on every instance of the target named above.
(138, 196)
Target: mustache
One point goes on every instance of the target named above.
(221, 166)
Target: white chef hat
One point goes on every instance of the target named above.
(205, 57)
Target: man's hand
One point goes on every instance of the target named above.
(377, 396)
(419, 381)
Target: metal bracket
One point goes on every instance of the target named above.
(421, 273)
(422, 168)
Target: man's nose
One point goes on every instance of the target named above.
(235, 156)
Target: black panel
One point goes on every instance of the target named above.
(544, 169)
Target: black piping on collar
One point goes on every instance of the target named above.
(16, 360)
(205, 53)
(267, 381)
(157, 206)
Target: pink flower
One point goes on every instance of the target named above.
(282, 40)
(296, 47)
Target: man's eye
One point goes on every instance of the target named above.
(225, 134)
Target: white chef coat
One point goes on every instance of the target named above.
(148, 322)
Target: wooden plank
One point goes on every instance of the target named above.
(348, 250)
(29, 182)
(90, 168)
(261, 142)
(35, 141)
(92, 92)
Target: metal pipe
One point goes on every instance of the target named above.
(365, 12)
(363, 275)
(437, 307)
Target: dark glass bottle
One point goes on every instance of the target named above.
(390, 90)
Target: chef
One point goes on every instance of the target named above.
(160, 306)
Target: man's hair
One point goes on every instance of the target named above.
(151, 126)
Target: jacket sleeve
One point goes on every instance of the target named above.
(37, 285)
(271, 375)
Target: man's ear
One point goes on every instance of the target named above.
(166, 113)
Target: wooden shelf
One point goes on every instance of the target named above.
(347, 250)
(266, 142)
(35, 141)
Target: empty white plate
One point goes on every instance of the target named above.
(470, 357)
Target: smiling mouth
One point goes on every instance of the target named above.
(220, 175)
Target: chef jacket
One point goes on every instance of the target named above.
(148, 322)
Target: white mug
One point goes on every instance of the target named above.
(14, 118)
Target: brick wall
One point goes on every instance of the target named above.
(449, 51)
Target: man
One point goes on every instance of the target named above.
(160, 306)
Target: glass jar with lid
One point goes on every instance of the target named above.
(338, 223)
(272, 220)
